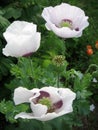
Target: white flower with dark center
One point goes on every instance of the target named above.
(65, 21)
(46, 103)
(22, 39)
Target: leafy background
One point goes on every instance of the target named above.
(12, 72)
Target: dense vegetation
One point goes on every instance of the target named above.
(14, 73)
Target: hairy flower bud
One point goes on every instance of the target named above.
(58, 60)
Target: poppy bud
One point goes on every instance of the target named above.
(89, 47)
(89, 52)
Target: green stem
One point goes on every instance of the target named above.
(92, 65)
(58, 80)
(31, 66)
(46, 125)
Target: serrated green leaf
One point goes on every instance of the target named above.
(10, 110)
(86, 81)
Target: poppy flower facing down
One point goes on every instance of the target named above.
(46, 103)
(65, 21)
(22, 39)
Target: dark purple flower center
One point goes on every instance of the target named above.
(42, 94)
(55, 106)
(67, 20)
(77, 29)
(68, 23)
(58, 104)
(44, 98)
(28, 54)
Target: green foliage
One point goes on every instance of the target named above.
(30, 74)
(3, 23)
(10, 110)
(76, 73)
(26, 3)
(83, 83)
(12, 13)
(4, 62)
(4, 66)
(52, 41)
(94, 59)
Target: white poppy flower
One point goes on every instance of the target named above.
(22, 39)
(46, 103)
(65, 21)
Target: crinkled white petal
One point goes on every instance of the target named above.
(67, 11)
(67, 97)
(16, 49)
(28, 44)
(21, 38)
(22, 95)
(18, 28)
(81, 22)
(58, 13)
(64, 32)
(36, 43)
(48, 26)
(66, 93)
(54, 96)
(54, 16)
(38, 109)
(24, 115)
(46, 117)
